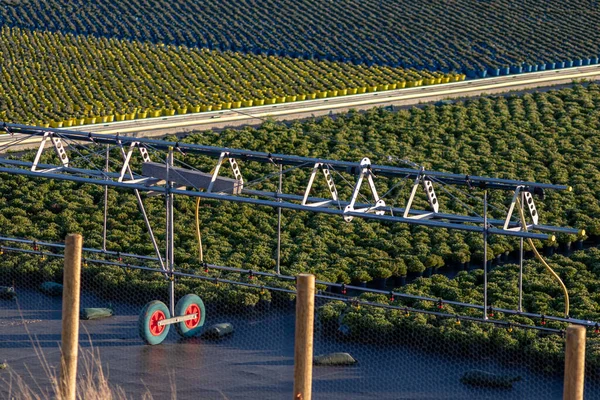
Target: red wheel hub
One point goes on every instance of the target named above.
(193, 309)
(156, 329)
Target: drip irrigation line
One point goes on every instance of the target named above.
(290, 278)
(85, 249)
(442, 314)
(404, 295)
(353, 300)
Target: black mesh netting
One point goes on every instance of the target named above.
(391, 352)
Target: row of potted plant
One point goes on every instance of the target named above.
(468, 35)
(60, 80)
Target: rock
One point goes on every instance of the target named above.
(7, 293)
(218, 330)
(344, 330)
(488, 379)
(334, 359)
(51, 288)
(96, 313)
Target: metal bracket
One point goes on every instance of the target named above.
(127, 158)
(58, 148)
(528, 197)
(234, 167)
(174, 320)
(365, 171)
(330, 186)
(422, 180)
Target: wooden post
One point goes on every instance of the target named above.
(303, 349)
(70, 316)
(574, 363)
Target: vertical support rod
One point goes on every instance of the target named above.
(146, 220)
(105, 200)
(70, 316)
(279, 221)
(169, 233)
(520, 309)
(485, 233)
(303, 347)
(574, 363)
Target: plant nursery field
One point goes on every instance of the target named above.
(447, 35)
(552, 137)
(65, 80)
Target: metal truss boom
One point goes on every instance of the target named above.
(165, 179)
(275, 204)
(151, 180)
(291, 160)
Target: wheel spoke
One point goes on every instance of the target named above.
(155, 328)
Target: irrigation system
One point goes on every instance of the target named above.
(161, 174)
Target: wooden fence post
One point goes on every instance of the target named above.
(574, 363)
(70, 316)
(303, 348)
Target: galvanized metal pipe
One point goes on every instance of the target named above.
(458, 179)
(268, 203)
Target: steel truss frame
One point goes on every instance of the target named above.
(176, 181)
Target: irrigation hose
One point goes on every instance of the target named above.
(539, 257)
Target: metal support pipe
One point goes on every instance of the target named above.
(106, 167)
(169, 232)
(520, 309)
(399, 210)
(485, 231)
(269, 203)
(144, 215)
(349, 166)
(279, 221)
(292, 197)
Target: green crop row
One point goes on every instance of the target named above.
(63, 80)
(545, 137)
(463, 338)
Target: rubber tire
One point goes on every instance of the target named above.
(144, 322)
(181, 307)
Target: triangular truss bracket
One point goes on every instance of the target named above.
(127, 159)
(365, 172)
(527, 201)
(235, 168)
(427, 185)
(330, 186)
(58, 147)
